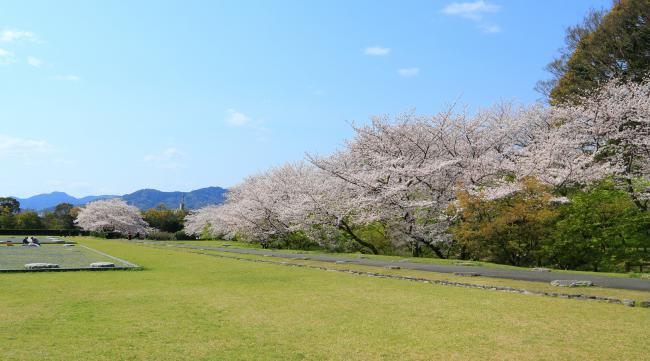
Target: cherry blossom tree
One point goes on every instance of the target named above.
(606, 134)
(319, 204)
(112, 215)
(201, 220)
(293, 197)
(406, 171)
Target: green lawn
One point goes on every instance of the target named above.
(429, 260)
(482, 280)
(197, 307)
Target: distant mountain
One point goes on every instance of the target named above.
(150, 198)
(51, 200)
(143, 199)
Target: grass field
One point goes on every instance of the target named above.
(430, 260)
(186, 306)
(15, 257)
(482, 280)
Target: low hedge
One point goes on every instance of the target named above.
(44, 232)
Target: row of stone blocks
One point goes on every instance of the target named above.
(42, 265)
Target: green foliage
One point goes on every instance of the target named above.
(514, 230)
(182, 236)
(375, 234)
(29, 220)
(618, 48)
(600, 230)
(206, 233)
(7, 221)
(60, 218)
(9, 206)
(292, 240)
(161, 236)
(164, 219)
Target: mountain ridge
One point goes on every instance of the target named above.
(143, 199)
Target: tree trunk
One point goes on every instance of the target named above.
(345, 227)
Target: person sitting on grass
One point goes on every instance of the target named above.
(25, 241)
(31, 242)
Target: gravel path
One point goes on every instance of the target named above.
(601, 281)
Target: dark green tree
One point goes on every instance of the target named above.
(603, 47)
(164, 219)
(9, 206)
(29, 220)
(600, 230)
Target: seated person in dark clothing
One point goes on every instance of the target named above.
(25, 241)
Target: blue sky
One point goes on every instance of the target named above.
(110, 97)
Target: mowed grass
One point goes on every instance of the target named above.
(186, 306)
(437, 276)
(426, 260)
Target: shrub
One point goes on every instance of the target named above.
(107, 235)
(161, 236)
(182, 236)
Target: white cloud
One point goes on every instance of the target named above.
(67, 77)
(35, 62)
(471, 10)
(5, 53)
(408, 72)
(12, 147)
(240, 120)
(6, 56)
(9, 36)
(490, 29)
(237, 119)
(376, 50)
(169, 158)
(475, 11)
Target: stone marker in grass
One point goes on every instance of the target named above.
(467, 274)
(571, 283)
(102, 265)
(393, 267)
(540, 269)
(628, 303)
(40, 265)
(644, 304)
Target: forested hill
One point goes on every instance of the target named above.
(150, 198)
(143, 199)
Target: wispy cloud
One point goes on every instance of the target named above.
(408, 72)
(376, 51)
(9, 36)
(6, 56)
(490, 29)
(13, 147)
(35, 62)
(475, 11)
(471, 10)
(236, 118)
(66, 77)
(169, 158)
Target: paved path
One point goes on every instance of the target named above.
(601, 281)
